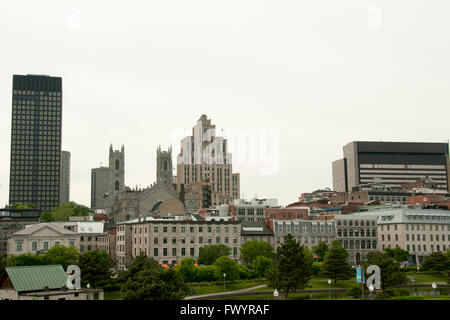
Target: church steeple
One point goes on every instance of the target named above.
(164, 166)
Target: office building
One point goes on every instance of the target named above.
(36, 141)
(204, 158)
(391, 164)
(99, 187)
(64, 194)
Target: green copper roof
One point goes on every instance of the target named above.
(32, 278)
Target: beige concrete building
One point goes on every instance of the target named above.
(40, 238)
(170, 240)
(308, 232)
(123, 245)
(419, 231)
(357, 234)
(204, 157)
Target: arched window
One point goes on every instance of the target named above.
(374, 244)
(345, 244)
(363, 244)
(165, 165)
(340, 232)
(351, 244)
(350, 233)
(116, 187)
(357, 244)
(350, 223)
(374, 233)
(362, 232)
(117, 164)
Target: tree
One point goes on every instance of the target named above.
(188, 269)
(46, 216)
(2, 264)
(437, 261)
(228, 266)
(292, 268)
(251, 249)
(146, 280)
(261, 264)
(321, 250)
(95, 268)
(206, 273)
(25, 206)
(391, 274)
(336, 264)
(62, 255)
(209, 254)
(64, 211)
(398, 254)
(26, 259)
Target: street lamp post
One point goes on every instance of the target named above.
(434, 286)
(224, 275)
(329, 288)
(275, 294)
(418, 274)
(371, 288)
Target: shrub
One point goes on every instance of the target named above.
(245, 273)
(206, 273)
(354, 292)
(316, 268)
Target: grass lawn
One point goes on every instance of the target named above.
(216, 288)
(427, 277)
(112, 295)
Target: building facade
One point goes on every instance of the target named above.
(39, 238)
(170, 240)
(357, 234)
(309, 233)
(35, 163)
(99, 187)
(12, 220)
(204, 157)
(419, 231)
(391, 163)
(64, 194)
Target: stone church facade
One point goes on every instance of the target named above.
(158, 199)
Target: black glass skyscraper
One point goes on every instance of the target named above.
(36, 141)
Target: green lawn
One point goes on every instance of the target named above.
(427, 277)
(112, 295)
(216, 288)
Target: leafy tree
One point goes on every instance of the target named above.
(228, 266)
(206, 273)
(25, 206)
(391, 274)
(244, 272)
(46, 216)
(187, 269)
(139, 263)
(336, 264)
(64, 211)
(292, 268)
(2, 264)
(209, 254)
(62, 255)
(251, 249)
(437, 261)
(321, 250)
(26, 259)
(261, 264)
(155, 284)
(95, 268)
(398, 254)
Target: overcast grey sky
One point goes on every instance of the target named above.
(321, 72)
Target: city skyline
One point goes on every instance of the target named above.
(378, 83)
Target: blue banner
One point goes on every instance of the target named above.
(358, 275)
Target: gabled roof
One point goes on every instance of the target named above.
(38, 226)
(32, 278)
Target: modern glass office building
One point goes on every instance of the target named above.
(36, 141)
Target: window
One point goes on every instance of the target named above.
(200, 229)
(174, 229)
(192, 252)
(192, 239)
(217, 229)
(165, 240)
(183, 251)
(217, 239)
(155, 229)
(46, 245)
(174, 252)
(56, 243)
(183, 239)
(34, 246)
(155, 240)
(174, 240)
(72, 243)
(165, 252)
(165, 229)
(200, 239)
(191, 229)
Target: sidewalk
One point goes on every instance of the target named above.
(223, 294)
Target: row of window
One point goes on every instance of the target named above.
(350, 244)
(356, 223)
(191, 240)
(242, 212)
(418, 227)
(356, 233)
(183, 229)
(423, 248)
(45, 245)
(174, 252)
